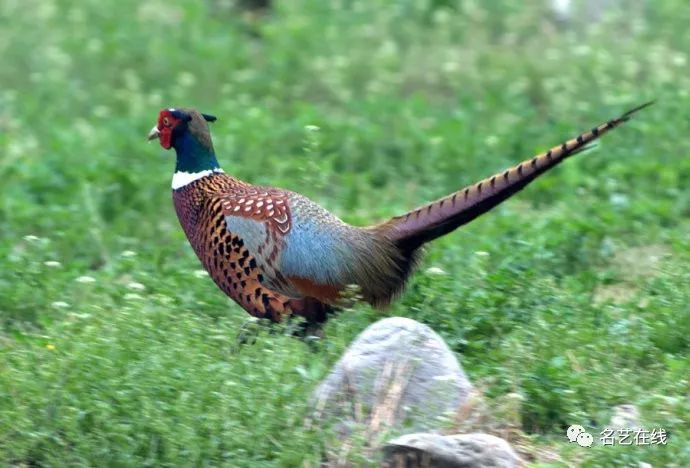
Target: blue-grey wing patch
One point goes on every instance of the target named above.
(319, 246)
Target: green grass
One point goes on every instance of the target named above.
(574, 294)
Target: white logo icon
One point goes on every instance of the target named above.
(574, 431)
(577, 433)
(585, 439)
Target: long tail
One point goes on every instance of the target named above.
(442, 216)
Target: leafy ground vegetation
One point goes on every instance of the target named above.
(114, 348)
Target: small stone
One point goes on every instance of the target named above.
(136, 286)
(52, 264)
(435, 271)
(85, 279)
(625, 416)
(454, 451)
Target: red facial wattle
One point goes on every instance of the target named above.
(165, 137)
(166, 123)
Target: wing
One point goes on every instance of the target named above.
(260, 217)
(301, 249)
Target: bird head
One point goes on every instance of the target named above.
(174, 123)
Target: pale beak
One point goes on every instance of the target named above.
(154, 133)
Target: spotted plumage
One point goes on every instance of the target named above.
(276, 253)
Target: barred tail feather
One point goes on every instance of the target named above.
(413, 229)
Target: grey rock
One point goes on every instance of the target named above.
(454, 451)
(397, 374)
(625, 416)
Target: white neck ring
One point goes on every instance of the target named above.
(182, 178)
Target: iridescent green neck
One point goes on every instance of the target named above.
(194, 156)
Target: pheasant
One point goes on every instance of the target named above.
(277, 253)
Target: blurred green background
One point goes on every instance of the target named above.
(115, 350)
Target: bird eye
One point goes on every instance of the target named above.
(166, 121)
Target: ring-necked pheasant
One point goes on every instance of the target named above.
(277, 253)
